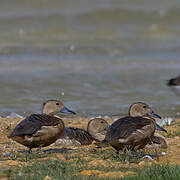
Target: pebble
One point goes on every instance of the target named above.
(148, 157)
(163, 153)
(106, 117)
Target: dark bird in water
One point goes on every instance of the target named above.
(73, 136)
(174, 81)
(135, 131)
(40, 130)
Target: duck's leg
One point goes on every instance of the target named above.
(30, 150)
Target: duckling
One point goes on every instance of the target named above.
(174, 81)
(135, 131)
(77, 136)
(40, 130)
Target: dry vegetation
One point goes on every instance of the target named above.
(85, 162)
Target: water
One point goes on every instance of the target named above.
(97, 57)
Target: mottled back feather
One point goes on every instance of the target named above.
(33, 123)
(78, 134)
(158, 140)
(124, 127)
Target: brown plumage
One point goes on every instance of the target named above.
(140, 109)
(158, 140)
(134, 131)
(130, 132)
(174, 81)
(77, 136)
(40, 130)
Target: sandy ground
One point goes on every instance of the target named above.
(170, 155)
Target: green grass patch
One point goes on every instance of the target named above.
(59, 169)
(172, 134)
(127, 157)
(56, 169)
(26, 157)
(157, 172)
(39, 168)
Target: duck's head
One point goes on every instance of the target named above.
(143, 110)
(53, 107)
(96, 125)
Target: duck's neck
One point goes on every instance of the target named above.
(97, 135)
(50, 114)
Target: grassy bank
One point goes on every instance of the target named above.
(86, 162)
(58, 169)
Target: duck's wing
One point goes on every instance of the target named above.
(78, 134)
(33, 123)
(124, 127)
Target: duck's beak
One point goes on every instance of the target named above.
(66, 111)
(151, 113)
(107, 127)
(158, 127)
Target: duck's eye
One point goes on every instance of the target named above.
(102, 122)
(144, 106)
(57, 104)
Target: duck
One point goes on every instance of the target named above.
(158, 141)
(174, 81)
(135, 131)
(41, 130)
(73, 136)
